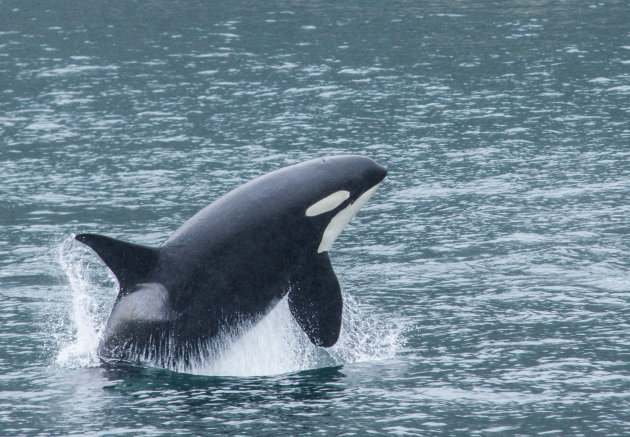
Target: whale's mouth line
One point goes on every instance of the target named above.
(342, 218)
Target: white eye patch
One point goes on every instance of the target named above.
(328, 203)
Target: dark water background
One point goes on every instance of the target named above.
(487, 280)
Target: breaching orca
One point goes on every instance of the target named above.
(234, 260)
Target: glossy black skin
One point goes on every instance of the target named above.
(234, 259)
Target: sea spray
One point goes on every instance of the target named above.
(91, 297)
(275, 344)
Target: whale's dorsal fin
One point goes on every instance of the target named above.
(315, 301)
(130, 263)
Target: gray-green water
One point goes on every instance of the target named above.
(487, 280)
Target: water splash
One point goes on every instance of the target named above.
(273, 345)
(91, 297)
(276, 344)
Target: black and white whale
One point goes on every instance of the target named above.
(234, 260)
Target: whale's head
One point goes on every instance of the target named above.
(339, 189)
(327, 194)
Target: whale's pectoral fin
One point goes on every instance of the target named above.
(131, 263)
(315, 301)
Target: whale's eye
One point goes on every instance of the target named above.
(328, 203)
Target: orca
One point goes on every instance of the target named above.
(234, 260)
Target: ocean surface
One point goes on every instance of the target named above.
(486, 283)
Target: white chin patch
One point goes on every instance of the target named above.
(328, 203)
(342, 218)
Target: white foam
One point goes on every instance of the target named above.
(276, 344)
